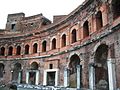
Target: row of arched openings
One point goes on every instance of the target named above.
(86, 33)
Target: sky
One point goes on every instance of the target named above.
(48, 8)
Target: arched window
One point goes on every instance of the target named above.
(2, 51)
(63, 40)
(10, 50)
(44, 46)
(85, 29)
(35, 48)
(99, 20)
(116, 8)
(18, 51)
(74, 36)
(54, 43)
(27, 49)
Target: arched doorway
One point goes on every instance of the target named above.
(74, 61)
(33, 74)
(17, 73)
(101, 69)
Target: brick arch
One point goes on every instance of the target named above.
(100, 66)
(34, 65)
(99, 20)
(35, 47)
(74, 36)
(18, 49)
(73, 63)
(2, 51)
(53, 43)
(71, 54)
(86, 30)
(44, 46)
(10, 50)
(27, 48)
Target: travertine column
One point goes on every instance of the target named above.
(111, 74)
(66, 77)
(19, 76)
(37, 78)
(78, 77)
(91, 77)
(27, 77)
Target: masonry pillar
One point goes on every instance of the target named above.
(66, 77)
(19, 76)
(27, 77)
(37, 78)
(78, 77)
(91, 77)
(111, 73)
(56, 78)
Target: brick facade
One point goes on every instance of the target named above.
(91, 36)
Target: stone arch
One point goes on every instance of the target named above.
(34, 66)
(100, 66)
(74, 61)
(2, 66)
(16, 73)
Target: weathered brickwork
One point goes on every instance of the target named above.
(35, 51)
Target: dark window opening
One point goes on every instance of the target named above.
(74, 36)
(101, 68)
(2, 51)
(10, 51)
(116, 8)
(44, 45)
(85, 29)
(32, 78)
(54, 43)
(18, 51)
(13, 26)
(50, 66)
(99, 20)
(35, 48)
(27, 49)
(1, 70)
(50, 78)
(63, 40)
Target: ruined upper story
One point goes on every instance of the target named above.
(92, 20)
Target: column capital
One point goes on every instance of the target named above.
(112, 60)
